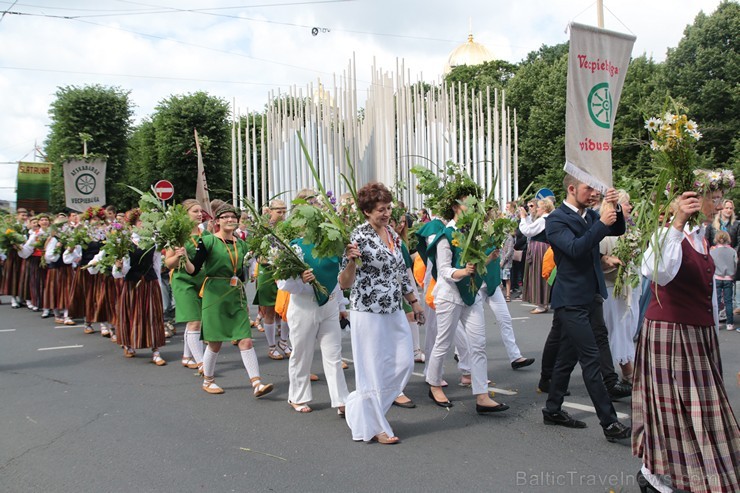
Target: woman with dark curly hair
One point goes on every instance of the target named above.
(381, 340)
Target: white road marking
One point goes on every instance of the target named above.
(7, 330)
(58, 347)
(520, 318)
(348, 360)
(69, 326)
(582, 407)
(502, 391)
(418, 374)
(529, 304)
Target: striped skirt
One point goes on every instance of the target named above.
(57, 287)
(79, 290)
(11, 274)
(536, 289)
(34, 280)
(682, 424)
(24, 291)
(140, 319)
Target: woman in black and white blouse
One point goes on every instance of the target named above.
(381, 339)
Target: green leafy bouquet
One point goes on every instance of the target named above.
(324, 226)
(163, 227)
(118, 245)
(79, 236)
(470, 235)
(11, 236)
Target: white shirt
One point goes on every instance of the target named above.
(446, 287)
(531, 228)
(668, 242)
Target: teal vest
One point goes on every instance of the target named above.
(493, 274)
(431, 228)
(326, 270)
(467, 291)
(406, 256)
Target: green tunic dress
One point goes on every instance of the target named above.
(185, 288)
(266, 286)
(225, 314)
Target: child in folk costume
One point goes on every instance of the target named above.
(32, 253)
(267, 294)
(185, 288)
(58, 284)
(140, 321)
(224, 313)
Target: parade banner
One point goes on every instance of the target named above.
(34, 186)
(597, 65)
(201, 185)
(84, 183)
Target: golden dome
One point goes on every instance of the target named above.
(468, 53)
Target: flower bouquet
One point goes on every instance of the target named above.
(470, 235)
(79, 236)
(11, 236)
(628, 250)
(117, 246)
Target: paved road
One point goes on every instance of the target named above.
(84, 419)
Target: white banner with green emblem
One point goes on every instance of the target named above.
(597, 64)
(84, 183)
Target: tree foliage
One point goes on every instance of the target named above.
(104, 114)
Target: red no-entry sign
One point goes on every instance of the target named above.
(164, 190)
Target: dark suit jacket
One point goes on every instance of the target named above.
(575, 245)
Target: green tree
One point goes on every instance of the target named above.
(142, 165)
(103, 116)
(173, 122)
(704, 73)
(495, 74)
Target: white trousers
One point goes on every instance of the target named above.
(473, 324)
(497, 304)
(430, 333)
(383, 359)
(311, 323)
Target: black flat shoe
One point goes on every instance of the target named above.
(406, 405)
(561, 418)
(446, 404)
(515, 365)
(490, 409)
(617, 431)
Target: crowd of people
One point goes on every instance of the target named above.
(662, 334)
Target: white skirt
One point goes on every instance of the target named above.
(622, 316)
(383, 356)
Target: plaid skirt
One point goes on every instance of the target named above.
(11, 274)
(536, 290)
(682, 424)
(140, 318)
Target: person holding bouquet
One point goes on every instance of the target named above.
(683, 424)
(185, 288)
(314, 317)
(224, 315)
(59, 275)
(458, 301)
(381, 341)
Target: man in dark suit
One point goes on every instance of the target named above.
(574, 232)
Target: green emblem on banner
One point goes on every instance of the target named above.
(85, 183)
(600, 105)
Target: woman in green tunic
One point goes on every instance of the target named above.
(224, 315)
(185, 289)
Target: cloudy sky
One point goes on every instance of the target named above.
(242, 49)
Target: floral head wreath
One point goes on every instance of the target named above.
(711, 180)
(93, 212)
(132, 216)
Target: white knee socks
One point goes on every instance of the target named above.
(209, 363)
(186, 353)
(195, 344)
(269, 333)
(249, 358)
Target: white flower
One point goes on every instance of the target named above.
(654, 145)
(691, 126)
(670, 117)
(714, 175)
(298, 251)
(653, 124)
(696, 135)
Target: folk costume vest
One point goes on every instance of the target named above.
(467, 293)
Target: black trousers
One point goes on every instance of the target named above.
(552, 344)
(578, 345)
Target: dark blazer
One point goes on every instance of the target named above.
(575, 245)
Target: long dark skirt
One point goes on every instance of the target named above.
(140, 321)
(682, 422)
(11, 274)
(58, 287)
